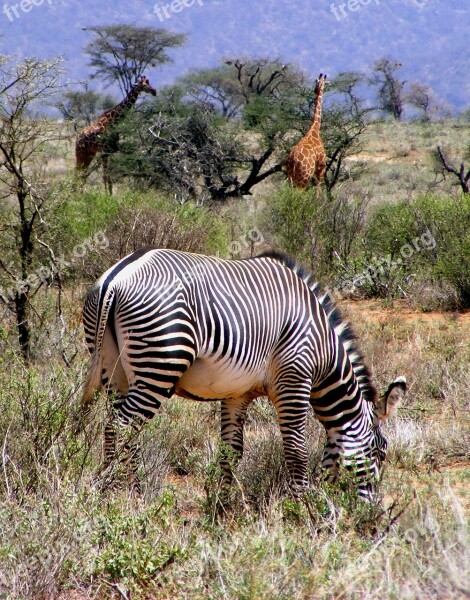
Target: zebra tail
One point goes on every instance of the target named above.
(93, 382)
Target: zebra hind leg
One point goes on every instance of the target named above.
(233, 414)
(121, 454)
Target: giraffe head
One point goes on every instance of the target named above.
(320, 84)
(143, 85)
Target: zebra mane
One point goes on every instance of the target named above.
(342, 327)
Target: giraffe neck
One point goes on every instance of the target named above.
(115, 114)
(316, 121)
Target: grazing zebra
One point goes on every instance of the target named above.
(162, 322)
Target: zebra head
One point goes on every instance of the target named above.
(364, 451)
(383, 408)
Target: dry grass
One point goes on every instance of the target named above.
(399, 158)
(61, 539)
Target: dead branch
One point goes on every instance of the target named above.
(464, 178)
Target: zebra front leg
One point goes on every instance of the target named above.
(232, 419)
(292, 412)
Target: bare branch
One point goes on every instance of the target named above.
(464, 178)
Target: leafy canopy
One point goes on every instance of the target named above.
(122, 53)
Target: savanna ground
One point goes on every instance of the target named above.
(61, 539)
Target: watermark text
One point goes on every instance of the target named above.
(13, 11)
(165, 11)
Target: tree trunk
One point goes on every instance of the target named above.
(22, 325)
(26, 256)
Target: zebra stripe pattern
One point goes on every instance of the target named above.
(161, 322)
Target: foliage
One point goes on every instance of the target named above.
(426, 239)
(122, 53)
(346, 118)
(448, 219)
(422, 98)
(243, 81)
(190, 152)
(133, 552)
(61, 538)
(318, 229)
(40, 412)
(83, 106)
(402, 249)
(111, 230)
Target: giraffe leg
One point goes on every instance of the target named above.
(320, 169)
(108, 184)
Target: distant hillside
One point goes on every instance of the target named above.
(430, 37)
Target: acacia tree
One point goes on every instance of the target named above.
(422, 97)
(122, 53)
(190, 152)
(390, 87)
(240, 82)
(346, 118)
(215, 87)
(25, 143)
(215, 135)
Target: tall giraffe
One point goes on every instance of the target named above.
(91, 139)
(307, 158)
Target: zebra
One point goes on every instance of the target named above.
(163, 322)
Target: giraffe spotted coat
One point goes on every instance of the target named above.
(307, 159)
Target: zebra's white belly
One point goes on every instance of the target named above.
(207, 379)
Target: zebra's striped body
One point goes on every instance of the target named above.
(162, 322)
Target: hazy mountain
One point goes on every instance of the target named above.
(430, 37)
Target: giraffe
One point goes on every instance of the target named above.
(91, 139)
(307, 158)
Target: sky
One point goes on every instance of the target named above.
(430, 37)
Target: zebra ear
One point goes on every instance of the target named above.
(388, 402)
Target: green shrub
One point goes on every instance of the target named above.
(449, 220)
(418, 248)
(36, 425)
(95, 230)
(319, 230)
(416, 244)
(132, 549)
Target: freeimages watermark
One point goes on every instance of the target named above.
(12, 11)
(341, 11)
(251, 238)
(165, 11)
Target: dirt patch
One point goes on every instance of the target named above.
(397, 156)
(374, 311)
